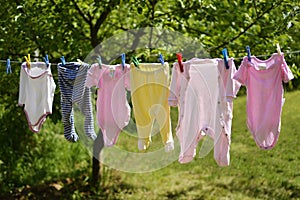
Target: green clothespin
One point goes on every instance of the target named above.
(135, 61)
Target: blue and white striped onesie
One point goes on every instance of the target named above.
(71, 80)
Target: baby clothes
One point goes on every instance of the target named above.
(204, 92)
(71, 80)
(263, 80)
(228, 92)
(36, 92)
(149, 91)
(113, 110)
(201, 113)
(178, 87)
(199, 98)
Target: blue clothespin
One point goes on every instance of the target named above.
(46, 60)
(248, 53)
(225, 56)
(161, 58)
(99, 61)
(63, 61)
(123, 56)
(8, 67)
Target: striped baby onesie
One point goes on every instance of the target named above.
(71, 81)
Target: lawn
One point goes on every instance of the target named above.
(252, 174)
(64, 171)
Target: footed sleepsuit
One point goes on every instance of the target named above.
(149, 91)
(71, 80)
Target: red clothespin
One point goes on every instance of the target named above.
(179, 58)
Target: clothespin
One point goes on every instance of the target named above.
(99, 61)
(135, 61)
(123, 57)
(46, 60)
(278, 49)
(27, 60)
(78, 60)
(63, 61)
(225, 56)
(179, 58)
(161, 59)
(248, 53)
(8, 67)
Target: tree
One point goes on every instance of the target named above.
(73, 28)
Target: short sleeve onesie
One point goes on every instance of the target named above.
(263, 80)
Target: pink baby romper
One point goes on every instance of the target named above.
(263, 80)
(113, 110)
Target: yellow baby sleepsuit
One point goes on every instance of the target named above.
(149, 94)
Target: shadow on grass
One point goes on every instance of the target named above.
(71, 188)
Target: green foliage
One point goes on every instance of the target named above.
(73, 28)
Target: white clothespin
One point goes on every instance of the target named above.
(112, 70)
(278, 49)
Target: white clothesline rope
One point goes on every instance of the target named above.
(266, 55)
(239, 58)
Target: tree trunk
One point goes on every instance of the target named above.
(98, 146)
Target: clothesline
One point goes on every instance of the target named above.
(239, 58)
(266, 55)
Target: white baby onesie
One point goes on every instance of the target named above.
(36, 92)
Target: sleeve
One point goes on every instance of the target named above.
(232, 85)
(93, 76)
(127, 77)
(174, 87)
(241, 74)
(286, 72)
(22, 87)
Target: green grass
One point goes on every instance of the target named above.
(252, 174)
(58, 169)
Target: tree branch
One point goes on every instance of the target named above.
(105, 13)
(245, 29)
(81, 13)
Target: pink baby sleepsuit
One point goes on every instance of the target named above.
(113, 110)
(198, 104)
(205, 105)
(36, 92)
(178, 85)
(263, 80)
